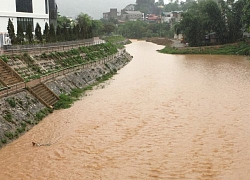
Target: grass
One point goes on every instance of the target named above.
(241, 48)
(4, 58)
(4, 141)
(11, 102)
(9, 135)
(119, 41)
(66, 100)
(42, 114)
(8, 117)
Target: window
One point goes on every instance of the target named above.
(24, 22)
(46, 7)
(24, 6)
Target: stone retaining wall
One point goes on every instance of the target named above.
(21, 111)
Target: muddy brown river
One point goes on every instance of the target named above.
(161, 117)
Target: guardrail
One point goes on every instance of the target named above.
(6, 91)
(48, 49)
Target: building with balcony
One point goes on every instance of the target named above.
(24, 12)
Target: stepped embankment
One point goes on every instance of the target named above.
(47, 76)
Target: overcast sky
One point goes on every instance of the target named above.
(94, 8)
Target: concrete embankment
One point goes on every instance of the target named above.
(21, 111)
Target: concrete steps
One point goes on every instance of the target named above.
(7, 76)
(44, 94)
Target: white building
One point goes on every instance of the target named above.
(24, 12)
(171, 17)
(132, 15)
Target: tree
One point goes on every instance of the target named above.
(173, 6)
(11, 31)
(192, 29)
(145, 6)
(65, 33)
(52, 33)
(206, 17)
(85, 24)
(97, 27)
(76, 30)
(38, 33)
(108, 28)
(161, 2)
(70, 34)
(246, 15)
(29, 34)
(58, 33)
(46, 32)
(20, 34)
(233, 20)
(211, 14)
(134, 29)
(61, 20)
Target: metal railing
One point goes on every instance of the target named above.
(52, 48)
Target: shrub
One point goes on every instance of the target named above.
(11, 102)
(28, 121)
(4, 141)
(9, 135)
(76, 93)
(64, 102)
(44, 55)
(4, 58)
(39, 116)
(21, 130)
(8, 117)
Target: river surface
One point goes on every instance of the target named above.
(161, 117)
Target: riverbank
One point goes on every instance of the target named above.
(242, 48)
(161, 117)
(21, 111)
(160, 41)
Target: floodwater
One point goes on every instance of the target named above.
(161, 117)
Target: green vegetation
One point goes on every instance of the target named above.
(8, 117)
(11, 102)
(146, 6)
(4, 141)
(119, 41)
(20, 35)
(61, 60)
(9, 135)
(115, 39)
(207, 22)
(4, 58)
(231, 49)
(140, 29)
(66, 100)
(246, 14)
(21, 129)
(29, 34)
(42, 114)
(38, 33)
(11, 31)
(12, 135)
